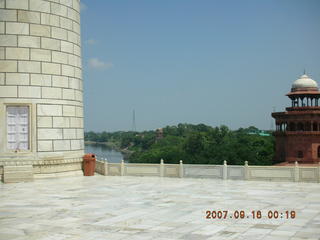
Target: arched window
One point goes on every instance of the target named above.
(292, 127)
(300, 154)
(315, 126)
(308, 126)
(300, 127)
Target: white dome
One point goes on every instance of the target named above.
(304, 82)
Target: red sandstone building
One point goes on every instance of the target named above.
(298, 128)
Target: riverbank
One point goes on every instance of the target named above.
(112, 145)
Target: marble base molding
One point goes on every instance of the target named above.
(23, 170)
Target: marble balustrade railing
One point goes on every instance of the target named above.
(294, 173)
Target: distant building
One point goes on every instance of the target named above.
(159, 133)
(298, 128)
(260, 133)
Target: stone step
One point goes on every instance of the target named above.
(15, 174)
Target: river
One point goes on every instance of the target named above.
(104, 152)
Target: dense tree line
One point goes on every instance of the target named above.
(123, 140)
(196, 144)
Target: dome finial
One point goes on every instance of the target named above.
(304, 71)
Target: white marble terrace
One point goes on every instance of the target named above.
(115, 207)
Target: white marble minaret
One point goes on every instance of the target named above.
(41, 109)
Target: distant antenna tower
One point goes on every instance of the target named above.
(134, 127)
(272, 121)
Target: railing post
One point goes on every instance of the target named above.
(122, 168)
(246, 170)
(161, 168)
(106, 168)
(181, 169)
(225, 170)
(296, 171)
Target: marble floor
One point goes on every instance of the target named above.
(101, 207)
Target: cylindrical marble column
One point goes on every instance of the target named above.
(41, 108)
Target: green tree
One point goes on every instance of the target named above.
(194, 144)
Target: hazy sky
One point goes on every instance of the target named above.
(189, 61)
